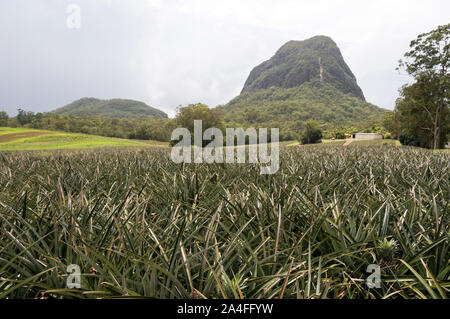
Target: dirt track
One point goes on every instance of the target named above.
(16, 136)
(347, 143)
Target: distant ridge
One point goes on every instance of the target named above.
(114, 108)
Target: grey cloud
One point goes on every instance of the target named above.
(168, 53)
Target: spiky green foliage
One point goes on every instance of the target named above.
(140, 225)
(387, 248)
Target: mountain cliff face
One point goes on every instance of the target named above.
(115, 108)
(298, 62)
(304, 80)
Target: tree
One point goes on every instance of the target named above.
(417, 111)
(428, 62)
(392, 124)
(210, 117)
(24, 117)
(4, 118)
(340, 135)
(311, 133)
(186, 116)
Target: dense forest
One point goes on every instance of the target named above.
(289, 108)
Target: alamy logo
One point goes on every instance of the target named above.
(374, 280)
(258, 147)
(74, 279)
(74, 16)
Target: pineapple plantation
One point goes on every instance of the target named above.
(139, 225)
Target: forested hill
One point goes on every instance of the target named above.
(115, 108)
(288, 109)
(305, 80)
(298, 62)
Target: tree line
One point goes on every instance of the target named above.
(160, 129)
(146, 128)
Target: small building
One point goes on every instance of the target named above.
(367, 136)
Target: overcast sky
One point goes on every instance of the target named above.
(174, 52)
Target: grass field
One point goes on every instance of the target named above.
(23, 139)
(139, 225)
